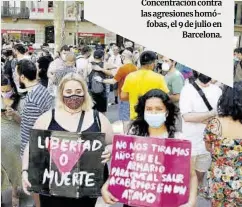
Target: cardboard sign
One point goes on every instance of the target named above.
(66, 164)
(150, 171)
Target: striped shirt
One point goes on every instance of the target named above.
(37, 102)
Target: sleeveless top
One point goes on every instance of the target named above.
(95, 127)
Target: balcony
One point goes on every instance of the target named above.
(15, 12)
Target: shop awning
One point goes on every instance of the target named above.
(11, 31)
(85, 34)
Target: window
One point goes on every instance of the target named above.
(50, 6)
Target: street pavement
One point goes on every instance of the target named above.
(26, 201)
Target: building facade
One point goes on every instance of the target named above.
(32, 21)
(238, 24)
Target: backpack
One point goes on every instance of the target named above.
(95, 86)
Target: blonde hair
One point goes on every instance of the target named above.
(88, 102)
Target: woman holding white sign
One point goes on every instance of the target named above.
(156, 118)
(72, 105)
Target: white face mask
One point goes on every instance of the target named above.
(236, 58)
(165, 66)
(63, 57)
(155, 120)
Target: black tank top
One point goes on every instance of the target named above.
(95, 127)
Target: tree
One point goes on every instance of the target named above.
(77, 5)
(59, 24)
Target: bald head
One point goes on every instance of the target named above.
(127, 56)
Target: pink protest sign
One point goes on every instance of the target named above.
(150, 172)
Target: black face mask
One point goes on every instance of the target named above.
(204, 79)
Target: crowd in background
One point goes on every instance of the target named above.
(156, 96)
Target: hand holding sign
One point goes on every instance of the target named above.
(106, 155)
(25, 182)
(107, 196)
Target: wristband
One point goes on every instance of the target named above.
(25, 170)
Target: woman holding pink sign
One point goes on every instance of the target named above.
(156, 118)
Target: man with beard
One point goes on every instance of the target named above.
(198, 104)
(37, 102)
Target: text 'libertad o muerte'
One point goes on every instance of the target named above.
(67, 147)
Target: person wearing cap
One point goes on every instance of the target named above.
(97, 66)
(145, 79)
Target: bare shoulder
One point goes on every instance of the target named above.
(43, 121)
(103, 118)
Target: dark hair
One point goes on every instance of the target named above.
(64, 47)
(147, 58)
(239, 50)
(85, 50)
(130, 49)
(27, 68)
(46, 44)
(4, 80)
(140, 126)
(20, 48)
(9, 53)
(236, 50)
(15, 97)
(230, 103)
(44, 62)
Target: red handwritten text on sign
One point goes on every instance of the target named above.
(150, 171)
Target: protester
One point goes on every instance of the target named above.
(11, 108)
(123, 71)
(83, 61)
(138, 83)
(42, 66)
(238, 66)
(69, 67)
(175, 83)
(57, 64)
(8, 67)
(97, 89)
(19, 51)
(198, 103)
(155, 118)
(73, 101)
(115, 62)
(223, 138)
(38, 101)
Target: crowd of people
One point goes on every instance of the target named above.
(156, 97)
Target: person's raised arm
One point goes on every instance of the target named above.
(110, 81)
